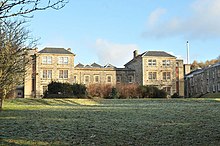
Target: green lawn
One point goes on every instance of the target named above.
(110, 122)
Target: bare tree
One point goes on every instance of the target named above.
(10, 8)
(14, 44)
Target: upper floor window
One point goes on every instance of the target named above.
(46, 60)
(152, 62)
(47, 74)
(166, 76)
(118, 79)
(63, 60)
(109, 79)
(166, 62)
(152, 75)
(96, 78)
(63, 74)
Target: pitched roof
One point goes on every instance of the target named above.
(55, 51)
(157, 53)
(96, 65)
(109, 66)
(79, 65)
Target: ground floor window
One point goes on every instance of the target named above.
(86, 79)
(96, 78)
(63, 74)
(47, 74)
(109, 79)
(167, 89)
(118, 79)
(130, 79)
(152, 75)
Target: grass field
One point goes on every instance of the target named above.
(110, 122)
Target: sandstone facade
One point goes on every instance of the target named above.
(155, 68)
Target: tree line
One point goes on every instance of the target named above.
(196, 65)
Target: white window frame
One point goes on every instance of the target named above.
(46, 60)
(63, 74)
(152, 62)
(166, 75)
(63, 60)
(96, 78)
(47, 74)
(166, 62)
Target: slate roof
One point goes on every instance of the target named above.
(96, 65)
(151, 53)
(79, 65)
(55, 51)
(157, 53)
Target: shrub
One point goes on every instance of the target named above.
(99, 90)
(175, 95)
(114, 94)
(151, 92)
(57, 89)
(128, 90)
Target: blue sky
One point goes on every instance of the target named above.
(108, 31)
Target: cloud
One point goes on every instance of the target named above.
(113, 53)
(155, 16)
(202, 23)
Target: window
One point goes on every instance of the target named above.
(218, 72)
(46, 60)
(86, 79)
(218, 86)
(118, 79)
(44, 89)
(130, 79)
(166, 62)
(47, 74)
(166, 76)
(167, 89)
(152, 75)
(213, 88)
(74, 79)
(96, 79)
(152, 62)
(109, 79)
(63, 60)
(63, 74)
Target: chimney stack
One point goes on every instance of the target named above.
(135, 53)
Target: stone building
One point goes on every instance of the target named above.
(203, 81)
(160, 69)
(155, 68)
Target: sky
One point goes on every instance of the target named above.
(108, 31)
